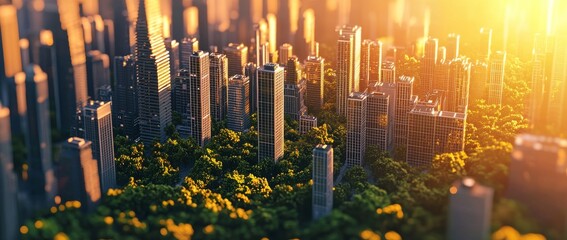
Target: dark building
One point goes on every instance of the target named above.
(428, 64)
(219, 84)
(322, 199)
(125, 97)
(121, 28)
(295, 88)
(315, 77)
(470, 210)
(250, 71)
(98, 73)
(8, 181)
(237, 55)
(238, 114)
(180, 100)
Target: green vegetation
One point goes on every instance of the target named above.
(227, 194)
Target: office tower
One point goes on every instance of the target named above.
(78, 174)
(42, 183)
(180, 100)
(199, 98)
(322, 180)
(485, 48)
(177, 20)
(557, 110)
(250, 71)
(453, 45)
(377, 120)
(172, 47)
(496, 78)
(388, 72)
(218, 85)
(202, 8)
(405, 100)
(306, 123)
(315, 77)
(370, 63)
(237, 55)
(441, 55)
(122, 28)
(356, 129)
(264, 56)
(428, 63)
(457, 94)
(152, 70)
(538, 168)
(470, 210)
(432, 131)
(8, 181)
(93, 27)
(125, 97)
(270, 112)
(441, 76)
(294, 105)
(47, 60)
(479, 80)
(286, 52)
(348, 65)
(238, 114)
(97, 118)
(98, 72)
(389, 89)
(188, 46)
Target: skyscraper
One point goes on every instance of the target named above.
(470, 210)
(42, 182)
(348, 65)
(180, 100)
(322, 180)
(238, 114)
(356, 129)
(97, 118)
(9, 43)
(557, 93)
(388, 72)
(270, 112)
(125, 97)
(188, 46)
(8, 180)
(485, 48)
(315, 77)
(496, 78)
(173, 50)
(219, 85)
(535, 104)
(78, 174)
(295, 89)
(457, 92)
(98, 73)
(250, 71)
(199, 97)
(286, 52)
(479, 81)
(370, 63)
(405, 100)
(390, 90)
(428, 63)
(152, 70)
(377, 122)
(237, 55)
(47, 60)
(453, 45)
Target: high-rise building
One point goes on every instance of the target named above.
(237, 55)
(219, 85)
(370, 63)
(537, 168)
(441, 55)
(125, 97)
(122, 29)
(457, 93)
(496, 78)
(390, 90)
(405, 100)
(470, 210)
(286, 52)
(557, 93)
(388, 72)
(485, 48)
(428, 63)
(153, 72)
(250, 71)
(270, 112)
(97, 117)
(356, 129)
(8, 180)
(188, 46)
(238, 114)
(98, 73)
(453, 45)
(180, 100)
(47, 60)
(173, 50)
(348, 65)
(479, 81)
(315, 77)
(199, 107)
(377, 122)
(78, 174)
(42, 183)
(322, 181)
(306, 123)
(294, 105)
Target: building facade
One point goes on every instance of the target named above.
(496, 78)
(199, 108)
(322, 181)
(238, 115)
(315, 77)
(356, 129)
(270, 112)
(470, 210)
(219, 85)
(377, 120)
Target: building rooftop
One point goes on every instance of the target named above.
(323, 147)
(271, 67)
(407, 79)
(308, 117)
(456, 115)
(357, 96)
(79, 142)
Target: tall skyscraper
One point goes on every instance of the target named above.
(173, 50)
(286, 52)
(219, 85)
(405, 100)
(370, 63)
(237, 55)
(97, 118)
(78, 174)
(270, 112)
(388, 72)
(537, 168)
(315, 77)
(188, 46)
(98, 73)
(348, 65)
(470, 210)
(199, 97)
(453, 45)
(356, 129)
(322, 181)
(47, 60)
(9, 43)
(377, 122)
(496, 78)
(485, 48)
(122, 28)
(125, 97)
(428, 63)
(250, 71)
(180, 100)
(152, 70)
(42, 182)
(8, 180)
(535, 104)
(457, 93)
(238, 114)
(295, 89)
(479, 81)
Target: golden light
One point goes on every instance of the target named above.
(166, 31)
(272, 27)
(309, 25)
(38, 5)
(293, 15)
(10, 40)
(46, 38)
(191, 18)
(453, 190)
